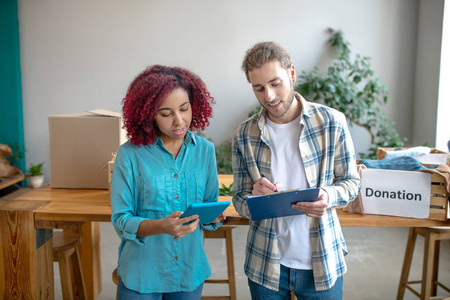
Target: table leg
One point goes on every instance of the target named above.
(410, 244)
(26, 262)
(90, 256)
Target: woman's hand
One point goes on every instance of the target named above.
(222, 217)
(173, 225)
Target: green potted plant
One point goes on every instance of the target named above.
(350, 86)
(35, 175)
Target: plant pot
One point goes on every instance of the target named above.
(36, 181)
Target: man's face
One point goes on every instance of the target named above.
(274, 89)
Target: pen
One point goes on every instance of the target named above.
(264, 176)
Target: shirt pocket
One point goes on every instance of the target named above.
(196, 186)
(151, 195)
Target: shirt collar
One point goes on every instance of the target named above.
(190, 137)
(307, 110)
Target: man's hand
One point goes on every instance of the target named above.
(264, 186)
(314, 209)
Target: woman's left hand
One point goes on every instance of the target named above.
(222, 217)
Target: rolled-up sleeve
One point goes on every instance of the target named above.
(346, 183)
(242, 182)
(212, 186)
(123, 210)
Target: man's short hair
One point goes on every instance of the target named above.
(262, 53)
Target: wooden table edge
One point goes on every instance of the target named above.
(347, 219)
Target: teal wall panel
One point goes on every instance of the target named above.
(11, 114)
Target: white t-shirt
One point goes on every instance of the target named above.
(292, 232)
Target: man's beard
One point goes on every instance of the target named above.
(287, 106)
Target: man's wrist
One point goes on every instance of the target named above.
(328, 195)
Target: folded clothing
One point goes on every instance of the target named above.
(413, 152)
(404, 163)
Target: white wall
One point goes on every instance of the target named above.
(426, 85)
(443, 120)
(81, 55)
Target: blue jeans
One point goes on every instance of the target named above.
(123, 293)
(301, 282)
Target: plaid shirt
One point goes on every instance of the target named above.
(328, 155)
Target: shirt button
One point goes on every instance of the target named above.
(176, 176)
(176, 197)
(179, 155)
(175, 259)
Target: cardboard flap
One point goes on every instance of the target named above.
(105, 113)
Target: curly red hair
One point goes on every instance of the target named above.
(147, 93)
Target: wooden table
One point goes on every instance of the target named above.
(26, 224)
(26, 267)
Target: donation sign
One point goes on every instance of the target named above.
(396, 193)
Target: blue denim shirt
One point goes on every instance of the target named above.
(148, 183)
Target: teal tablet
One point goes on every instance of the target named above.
(207, 211)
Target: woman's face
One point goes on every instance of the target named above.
(174, 116)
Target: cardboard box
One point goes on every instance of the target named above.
(439, 196)
(80, 147)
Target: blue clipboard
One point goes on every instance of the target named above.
(206, 211)
(277, 205)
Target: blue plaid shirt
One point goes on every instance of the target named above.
(328, 155)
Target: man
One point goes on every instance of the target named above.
(295, 144)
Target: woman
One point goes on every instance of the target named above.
(158, 173)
